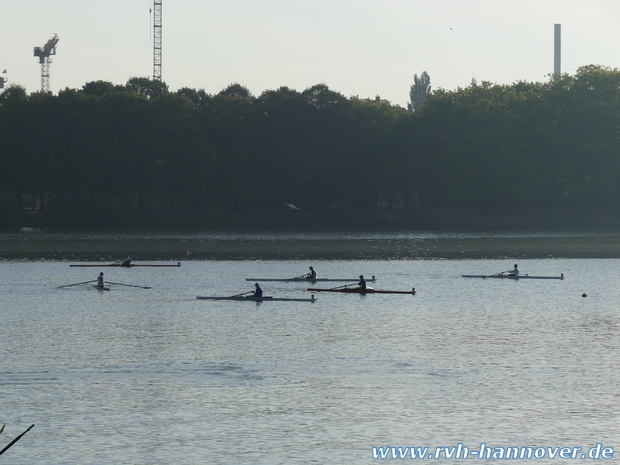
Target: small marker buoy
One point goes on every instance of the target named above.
(584, 295)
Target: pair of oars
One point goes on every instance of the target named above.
(109, 282)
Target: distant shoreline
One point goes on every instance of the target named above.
(144, 247)
(361, 221)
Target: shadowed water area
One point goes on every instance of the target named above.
(213, 246)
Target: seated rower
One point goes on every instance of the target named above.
(100, 282)
(258, 292)
(312, 274)
(126, 261)
(515, 271)
(362, 283)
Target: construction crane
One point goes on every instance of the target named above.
(157, 40)
(44, 53)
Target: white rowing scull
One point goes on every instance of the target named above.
(509, 276)
(311, 280)
(359, 290)
(120, 265)
(252, 298)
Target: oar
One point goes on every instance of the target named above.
(345, 286)
(238, 295)
(501, 273)
(130, 285)
(2, 429)
(15, 440)
(85, 282)
(303, 276)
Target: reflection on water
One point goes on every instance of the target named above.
(291, 246)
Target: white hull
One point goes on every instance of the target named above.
(310, 280)
(523, 276)
(258, 299)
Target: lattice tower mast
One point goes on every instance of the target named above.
(157, 40)
(44, 53)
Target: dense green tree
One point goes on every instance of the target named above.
(198, 97)
(236, 91)
(111, 156)
(99, 88)
(146, 87)
(418, 91)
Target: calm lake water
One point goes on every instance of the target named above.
(144, 376)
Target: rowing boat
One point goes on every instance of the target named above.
(259, 299)
(120, 265)
(311, 280)
(105, 288)
(358, 290)
(509, 276)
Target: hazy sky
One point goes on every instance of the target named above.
(366, 48)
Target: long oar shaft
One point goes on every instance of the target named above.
(15, 440)
(76, 284)
(238, 295)
(339, 287)
(129, 285)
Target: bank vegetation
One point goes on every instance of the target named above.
(140, 156)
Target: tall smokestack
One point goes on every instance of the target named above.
(557, 51)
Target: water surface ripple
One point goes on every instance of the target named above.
(142, 376)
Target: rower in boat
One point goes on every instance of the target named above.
(258, 292)
(312, 274)
(359, 290)
(295, 279)
(515, 271)
(126, 261)
(258, 299)
(362, 283)
(100, 282)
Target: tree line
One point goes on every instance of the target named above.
(138, 155)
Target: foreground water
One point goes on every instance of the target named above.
(143, 376)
